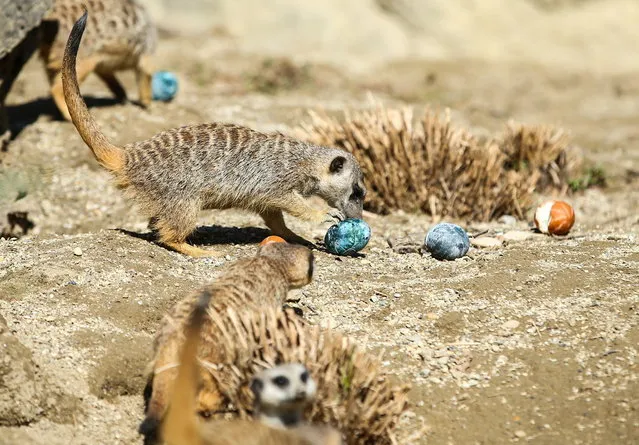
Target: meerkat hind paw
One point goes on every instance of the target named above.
(193, 251)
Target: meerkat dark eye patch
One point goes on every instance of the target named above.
(280, 381)
(304, 377)
(256, 387)
(337, 164)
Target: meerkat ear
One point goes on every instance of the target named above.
(337, 164)
(311, 265)
(257, 386)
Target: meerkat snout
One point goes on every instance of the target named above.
(343, 187)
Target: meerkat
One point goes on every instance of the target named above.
(178, 172)
(281, 394)
(121, 37)
(253, 283)
(181, 427)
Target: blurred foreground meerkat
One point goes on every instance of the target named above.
(281, 394)
(249, 284)
(121, 36)
(178, 172)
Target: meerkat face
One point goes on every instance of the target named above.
(343, 185)
(284, 388)
(298, 261)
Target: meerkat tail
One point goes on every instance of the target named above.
(180, 425)
(107, 154)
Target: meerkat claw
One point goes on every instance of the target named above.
(333, 215)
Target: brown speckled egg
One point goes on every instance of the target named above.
(555, 217)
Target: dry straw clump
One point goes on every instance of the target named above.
(431, 166)
(353, 395)
(543, 149)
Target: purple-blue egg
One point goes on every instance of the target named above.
(447, 241)
(347, 237)
(164, 85)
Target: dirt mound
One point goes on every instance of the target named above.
(27, 394)
(360, 34)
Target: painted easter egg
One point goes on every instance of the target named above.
(347, 237)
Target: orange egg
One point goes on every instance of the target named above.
(272, 239)
(555, 217)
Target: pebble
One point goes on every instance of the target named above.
(521, 434)
(508, 220)
(77, 251)
(516, 235)
(510, 325)
(485, 241)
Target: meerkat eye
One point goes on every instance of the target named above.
(280, 381)
(256, 386)
(337, 164)
(205, 414)
(304, 377)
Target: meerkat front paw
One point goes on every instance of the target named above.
(333, 215)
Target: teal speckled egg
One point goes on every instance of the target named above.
(447, 241)
(164, 85)
(347, 237)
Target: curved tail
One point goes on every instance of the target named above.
(180, 424)
(107, 154)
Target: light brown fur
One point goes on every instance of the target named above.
(178, 172)
(181, 427)
(252, 283)
(120, 37)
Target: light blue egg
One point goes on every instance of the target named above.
(347, 237)
(164, 85)
(447, 241)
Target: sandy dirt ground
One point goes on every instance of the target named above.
(535, 341)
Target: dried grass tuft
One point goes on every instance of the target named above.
(429, 165)
(543, 149)
(354, 395)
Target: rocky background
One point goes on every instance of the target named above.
(531, 341)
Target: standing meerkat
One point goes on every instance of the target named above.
(121, 36)
(254, 283)
(178, 172)
(281, 394)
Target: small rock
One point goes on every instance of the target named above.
(508, 220)
(77, 251)
(521, 434)
(516, 235)
(510, 325)
(416, 339)
(485, 241)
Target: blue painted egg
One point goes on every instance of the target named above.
(347, 237)
(447, 241)
(164, 85)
